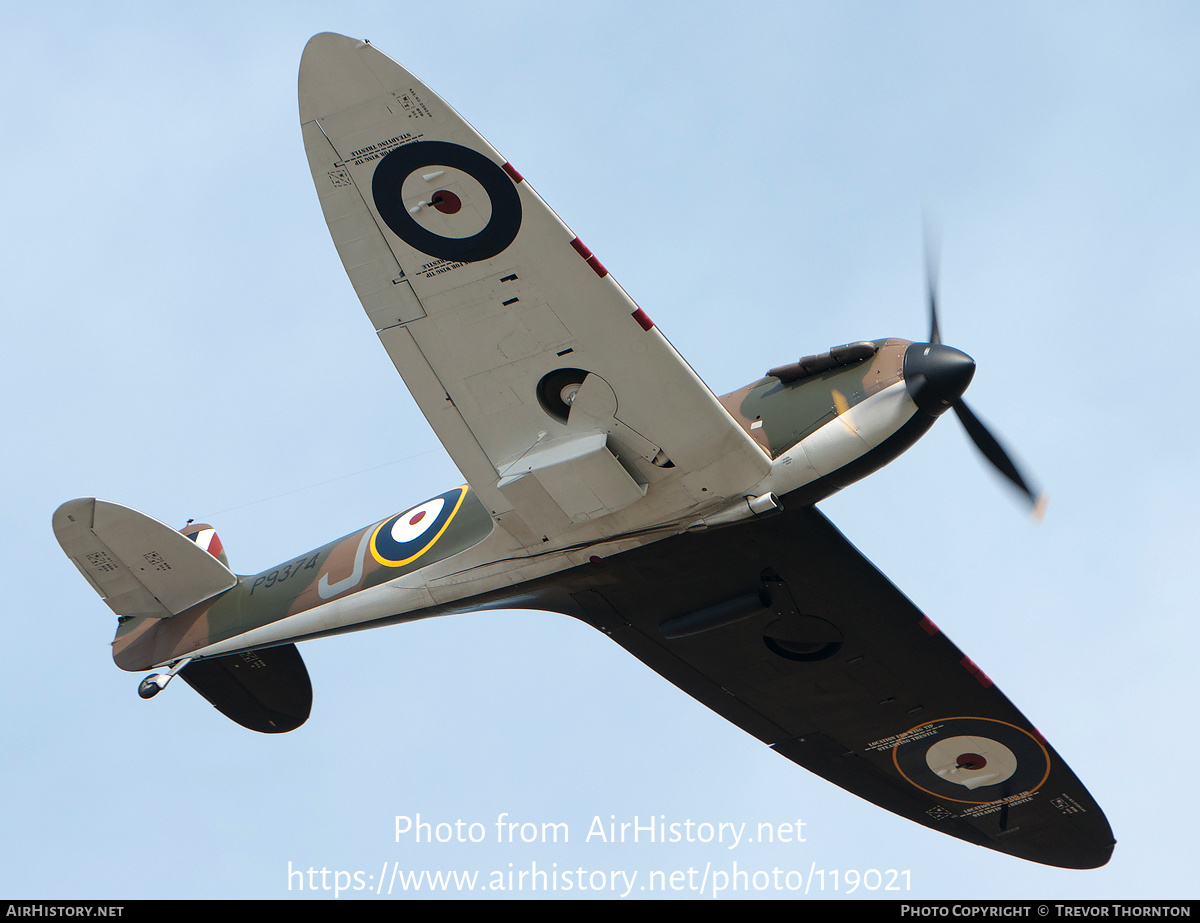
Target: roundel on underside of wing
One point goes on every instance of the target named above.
(971, 760)
(447, 200)
(406, 536)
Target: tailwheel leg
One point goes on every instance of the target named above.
(155, 683)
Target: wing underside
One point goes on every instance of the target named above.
(515, 341)
(784, 628)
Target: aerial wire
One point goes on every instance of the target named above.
(340, 477)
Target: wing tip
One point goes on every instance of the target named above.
(332, 77)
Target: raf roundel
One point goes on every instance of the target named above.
(406, 536)
(971, 760)
(447, 200)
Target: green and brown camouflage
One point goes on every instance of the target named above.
(350, 564)
(777, 411)
(780, 410)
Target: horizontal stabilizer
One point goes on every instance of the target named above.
(139, 566)
(267, 691)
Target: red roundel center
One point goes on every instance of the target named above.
(971, 761)
(421, 515)
(446, 202)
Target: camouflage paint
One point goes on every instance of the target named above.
(790, 412)
(307, 581)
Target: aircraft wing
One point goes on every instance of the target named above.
(784, 628)
(516, 342)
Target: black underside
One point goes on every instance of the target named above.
(266, 690)
(805, 645)
(784, 628)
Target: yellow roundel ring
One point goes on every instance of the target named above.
(971, 760)
(406, 536)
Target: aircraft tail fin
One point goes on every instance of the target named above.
(143, 568)
(206, 537)
(140, 566)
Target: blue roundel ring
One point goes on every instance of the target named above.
(406, 536)
(399, 163)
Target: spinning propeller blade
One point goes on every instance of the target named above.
(931, 277)
(984, 441)
(991, 449)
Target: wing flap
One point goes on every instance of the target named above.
(444, 416)
(139, 566)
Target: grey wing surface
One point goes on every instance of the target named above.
(568, 412)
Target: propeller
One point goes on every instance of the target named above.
(938, 376)
(931, 278)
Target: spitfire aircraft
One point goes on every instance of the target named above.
(604, 481)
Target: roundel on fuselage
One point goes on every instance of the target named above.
(406, 536)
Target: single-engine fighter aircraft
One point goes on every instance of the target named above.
(606, 482)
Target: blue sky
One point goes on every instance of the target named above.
(181, 338)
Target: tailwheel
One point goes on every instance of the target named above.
(155, 683)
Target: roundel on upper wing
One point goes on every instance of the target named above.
(447, 200)
(408, 535)
(971, 760)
